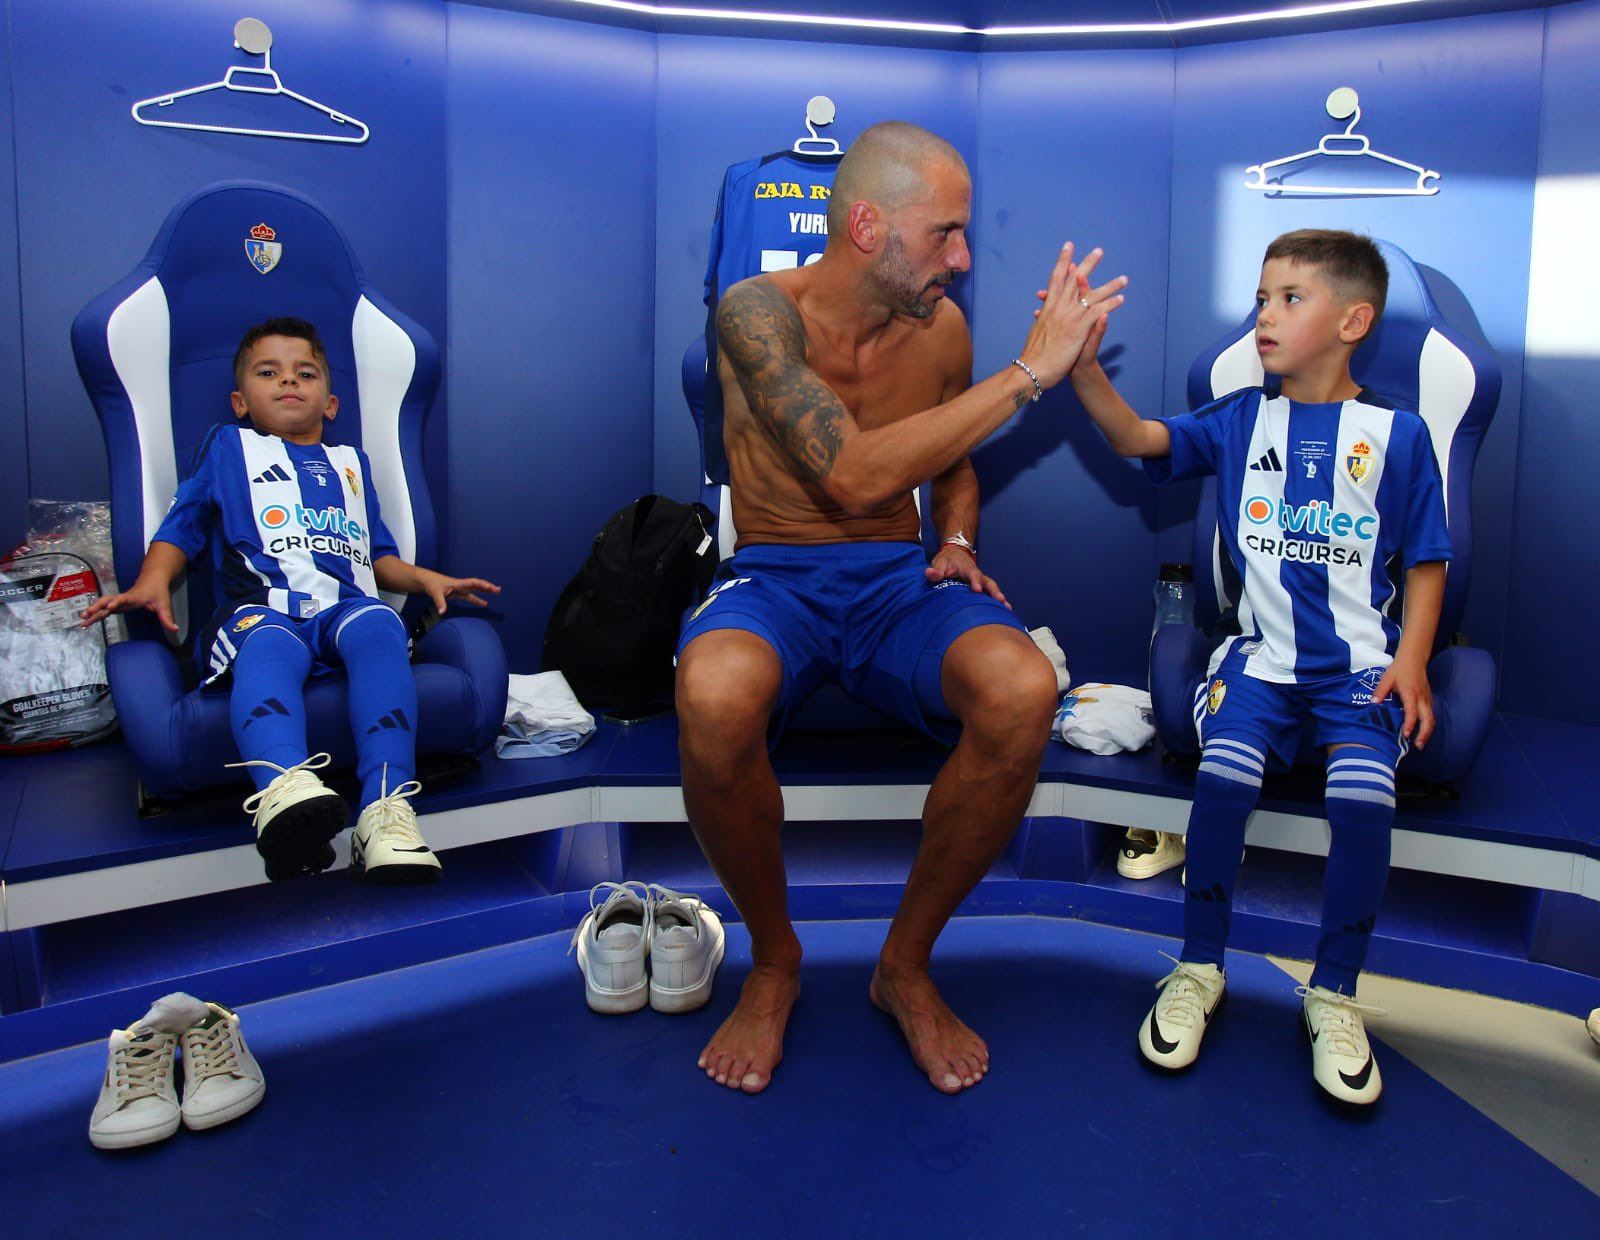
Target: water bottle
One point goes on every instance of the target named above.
(1174, 595)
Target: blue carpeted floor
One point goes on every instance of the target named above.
(479, 1093)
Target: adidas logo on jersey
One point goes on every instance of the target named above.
(277, 473)
(1269, 463)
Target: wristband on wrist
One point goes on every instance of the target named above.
(1032, 378)
(958, 539)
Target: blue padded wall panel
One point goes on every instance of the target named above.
(724, 100)
(1424, 92)
(1073, 146)
(94, 186)
(1555, 593)
(552, 239)
(13, 420)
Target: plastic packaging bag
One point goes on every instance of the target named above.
(53, 690)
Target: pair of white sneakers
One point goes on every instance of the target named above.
(1342, 1062)
(633, 927)
(296, 817)
(138, 1102)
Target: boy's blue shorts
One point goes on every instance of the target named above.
(861, 613)
(227, 632)
(1270, 716)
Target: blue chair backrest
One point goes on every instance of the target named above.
(1444, 370)
(156, 355)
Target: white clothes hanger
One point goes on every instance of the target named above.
(819, 111)
(252, 37)
(1343, 102)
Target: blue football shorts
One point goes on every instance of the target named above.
(228, 631)
(862, 614)
(1337, 709)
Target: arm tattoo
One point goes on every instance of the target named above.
(763, 338)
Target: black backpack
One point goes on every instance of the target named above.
(615, 626)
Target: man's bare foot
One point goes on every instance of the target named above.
(743, 1053)
(952, 1055)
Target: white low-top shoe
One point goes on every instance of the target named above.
(1190, 995)
(1341, 1057)
(686, 946)
(1144, 853)
(138, 1101)
(296, 816)
(613, 946)
(386, 846)
(221, 1078)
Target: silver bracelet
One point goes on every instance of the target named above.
(959, 539)
(1033, 378)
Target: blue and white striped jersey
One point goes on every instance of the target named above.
(1319, 507)
(295, 527)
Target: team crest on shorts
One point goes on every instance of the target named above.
(351, 478)
(248, 622)
(1359, 463)
(263, 248)
(1214, 696)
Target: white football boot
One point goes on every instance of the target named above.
(686, 946)
(1144, 853)
(386, 846)
(1341, 1057)
(138, 1101)
(221, 1078)
(613, 945)
(296, 816)
(1190, 995)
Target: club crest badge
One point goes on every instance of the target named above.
(1359, 463)
(353, 479)
(1214, 696)
(249, 622)
(263, 248)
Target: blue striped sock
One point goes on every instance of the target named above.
(1360, 808)
(1226, 788)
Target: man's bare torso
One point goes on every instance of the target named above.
(911, 366)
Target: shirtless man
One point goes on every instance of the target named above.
(846, 384)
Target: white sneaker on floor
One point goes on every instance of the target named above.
(1190, 995)
(295, 817)
(386, 846)
(1594, 1024)
(1144, 854)
(221, 1078)
(138, 1101)
(686, 946)
(613, 945)
(1341, 1057)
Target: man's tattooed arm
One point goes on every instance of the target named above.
(761, 335)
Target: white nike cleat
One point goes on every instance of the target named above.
(295, 817)
(613, 945)
(221, 1078)
(138, 1102)
(1341, 1058)
(686, 946)
(1144, 853)
(1594, 1024)
(386, 846)
(1190, 995)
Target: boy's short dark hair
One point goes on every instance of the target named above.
(294, 329)
(1350, 263)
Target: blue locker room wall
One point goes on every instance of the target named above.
(552, 242)
(93, 187)
(13, 420)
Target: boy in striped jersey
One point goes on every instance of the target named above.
(1325, 493)
(300, 551)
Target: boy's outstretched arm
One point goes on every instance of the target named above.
(152, 591)
(1126, 432)
(1408, 674)
(394, 574)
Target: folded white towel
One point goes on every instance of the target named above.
(546, 703)
(1046, 641)
(173, 1013)
(1105, 719)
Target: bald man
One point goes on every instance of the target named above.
(846, 385)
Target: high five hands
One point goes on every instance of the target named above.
(1070, 325)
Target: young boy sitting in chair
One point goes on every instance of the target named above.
(301, 553)
(1324, 490)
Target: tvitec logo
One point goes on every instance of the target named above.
(1317, 517)
(318, 520)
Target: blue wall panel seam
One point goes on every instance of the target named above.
(16, 211)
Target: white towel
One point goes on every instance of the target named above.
(1105, 719)
(173, 1013)
(546, 703)
(1046, 641)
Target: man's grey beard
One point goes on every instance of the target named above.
(898, 282)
